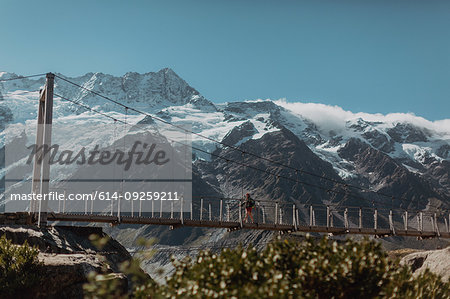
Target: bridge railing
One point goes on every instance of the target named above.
(284, 214)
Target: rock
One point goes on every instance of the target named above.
(408, 133)
(437, 261)
(239, 133)
(68, 256)
(388, 176)
(65, 274)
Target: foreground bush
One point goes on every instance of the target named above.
(286, 269)
(308, 269)
(19, 268)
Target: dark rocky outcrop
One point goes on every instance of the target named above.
(246, 129)
(286, 148)
(68, 256)
(407, 133)
(388, 176)
(443, 151)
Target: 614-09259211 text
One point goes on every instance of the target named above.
(98, 195)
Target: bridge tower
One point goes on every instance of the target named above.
(41, 166)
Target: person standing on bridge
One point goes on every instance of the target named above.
(248, 203)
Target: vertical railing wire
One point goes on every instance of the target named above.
(375, 219)
(346, 218)
(201, 209)
(220, 210)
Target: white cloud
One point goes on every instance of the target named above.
(334, 117)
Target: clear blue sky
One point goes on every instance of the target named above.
(371, 56)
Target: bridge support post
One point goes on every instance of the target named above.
(264, 214)
(210, 215)
(92, 202)
(276, 214)
(331, 219)
(311, 212)
(257, 209)
(281, 216)
(171, 210)
(181, 209)
(436, 226)
(432, 224)
(294, 222)
(160, 208)
(446, 225)
(118, 206)
(405, 221)
(192, 211)
(112, 208)
(328, 216)
(375, 219)
(59, 204)
(132, 207)
(360, 218)
(153, 209)
(421, 221)
(220, 210)
(297, 219)
(240, 215)
(391, 222)
(201, 209)
(64, 202)
(418, 222)
(346, 218)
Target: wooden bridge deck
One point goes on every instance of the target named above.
(174, 223)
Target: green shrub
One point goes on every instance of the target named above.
(426, 285)
(19, 267)
(308, 269)
(287, 269)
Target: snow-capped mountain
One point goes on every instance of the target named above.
(420, 146)
(398, 154)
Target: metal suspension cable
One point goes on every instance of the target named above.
(232, 146)
(280, 176)
(208, 138)
(216, 155)
(88, 108)
(242, 163)
(22, 77)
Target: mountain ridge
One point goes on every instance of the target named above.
(398, 154)
(422, 150)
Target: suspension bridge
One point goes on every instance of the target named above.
(227, 213)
